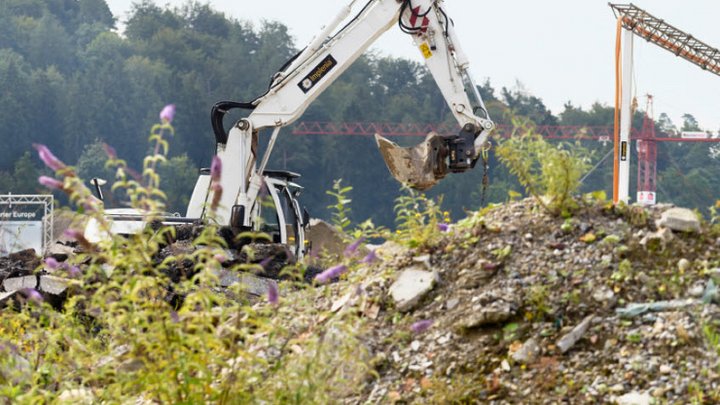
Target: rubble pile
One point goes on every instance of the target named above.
(612, 305)
(615, 304)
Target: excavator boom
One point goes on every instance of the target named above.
(318, 65)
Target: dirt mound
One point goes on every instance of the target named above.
(515, 306)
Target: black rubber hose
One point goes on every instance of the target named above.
(217, 113)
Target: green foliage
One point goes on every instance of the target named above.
(179, 175)
(550, 174)
(418, 218)
(120, 339)
(341, 208)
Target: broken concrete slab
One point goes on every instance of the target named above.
(249, 283)
(53, 285)
(60, 252)
(325, 237)
(528, 352)
(411, 286)
(18, 283)
(492, 314)
(568, 341)
(679, 219)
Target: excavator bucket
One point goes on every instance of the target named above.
(420, 166)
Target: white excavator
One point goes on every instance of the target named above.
(298, 83)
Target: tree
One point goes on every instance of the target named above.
(177, 179)
(690, 123)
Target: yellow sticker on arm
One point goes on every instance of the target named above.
(425, 49)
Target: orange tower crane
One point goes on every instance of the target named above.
(637, 21)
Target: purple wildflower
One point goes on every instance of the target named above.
(73, 234)
(370, 258)
(74, 271)
(79, 237)
(168, 113)
(32, 295)
(220, 257)
(352, 248)
(266, 261)
(421, 326)
(51, 263)
(110, 151)
(51, 183)
(273, 293)
(443, 227)
(215, 168)
(48, 158)
(174, 317)
(331, 273)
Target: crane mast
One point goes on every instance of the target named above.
(636, 21)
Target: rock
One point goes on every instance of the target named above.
(25, 256)
(325, 237)
(683, 265)
(496, 313)
(423, 259)
(679, 219)
(603, 294)
(697, 289)
(76, 396)
(658, 239)
(249, 283)
(53, 285)
(528, 352)
(389, 250)
(568, 341)
(18, 283)
(634, 398)
(410, 287)
(451, 303)
(60, 252)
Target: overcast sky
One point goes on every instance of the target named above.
(559, 50)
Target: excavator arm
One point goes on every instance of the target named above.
(318, 65)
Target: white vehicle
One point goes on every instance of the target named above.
(303, 79)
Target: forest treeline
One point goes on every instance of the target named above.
(71, 81)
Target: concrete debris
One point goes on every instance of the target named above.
(410, 287)
(19, 283)
(636, 309)
(53, 285)
(74, 396)
(679, 219)
(634, 398)
(568, 341)
(326, 237)
(528, 352)
(60, 252)
(492, 314)
(251, 284)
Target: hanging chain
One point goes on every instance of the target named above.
(485, 179)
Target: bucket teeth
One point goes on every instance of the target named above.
(420, 166)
